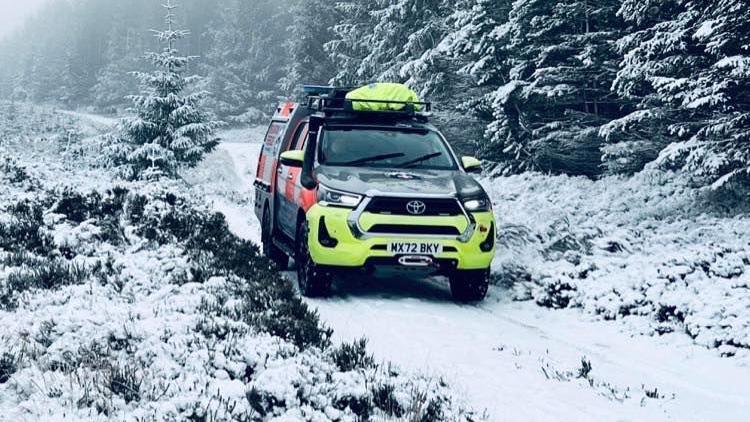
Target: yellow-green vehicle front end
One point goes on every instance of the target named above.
(341, 238)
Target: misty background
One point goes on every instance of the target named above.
(14, 13)
(579, 87)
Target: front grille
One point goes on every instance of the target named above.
(416, 230)
(398, 206)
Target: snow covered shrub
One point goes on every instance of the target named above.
(351, 356)
(124, 380)
(557, 294)
(650, 250)
(269, 303)
(46, 333)
(383, 397)
(22, 230)
(9, 363)
(11, 171)
(27, 121)
(78, 208)
(50, 274)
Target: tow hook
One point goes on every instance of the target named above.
(415, 261)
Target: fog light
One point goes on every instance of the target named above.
(324, 237)
(489, 242)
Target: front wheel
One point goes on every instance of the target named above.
(313, 282)
(470, 285)
(270, 250)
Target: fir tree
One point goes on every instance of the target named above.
(247, 59)
(687, 63)
(386, 40)
(311, 28)
(561, 64)
(169, 129)
(350, 48)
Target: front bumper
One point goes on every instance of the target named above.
(350, 251)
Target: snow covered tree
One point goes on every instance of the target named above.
(469, 63)
(123, 54)
(688, 66)
(169, 129)
(403, 41)
(380, 40)
(247, 59)
(477, 37)
(311, 28)
(349, 48)
(556, 62)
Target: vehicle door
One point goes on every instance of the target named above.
(287, 195)
(265, 174)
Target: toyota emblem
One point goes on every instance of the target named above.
(416, 207)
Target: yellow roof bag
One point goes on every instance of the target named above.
(400, 93)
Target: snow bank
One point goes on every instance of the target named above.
(650, 250)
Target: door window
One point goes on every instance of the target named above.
(300, 137)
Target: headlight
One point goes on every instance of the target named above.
(329, 197)
(481, 204)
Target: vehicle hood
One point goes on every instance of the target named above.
(382, 182)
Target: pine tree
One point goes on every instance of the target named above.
(386, 40)
(470, 63)
(350, 44)
(688, 65)
(311, 28)
(247, 59)
(560, 66)
(169, 129)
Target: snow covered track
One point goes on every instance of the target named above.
(515, 359)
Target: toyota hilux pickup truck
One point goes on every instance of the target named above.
(359, 181)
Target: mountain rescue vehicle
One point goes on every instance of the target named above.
(358, 180)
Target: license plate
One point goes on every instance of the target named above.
(415, 248)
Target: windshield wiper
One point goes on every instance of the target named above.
(366, 160)
(416, 161)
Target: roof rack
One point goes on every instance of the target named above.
(332, 100)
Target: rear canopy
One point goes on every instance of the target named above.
(400, 93)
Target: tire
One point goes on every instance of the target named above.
(270, 250)
(470, 285)
(313, 282)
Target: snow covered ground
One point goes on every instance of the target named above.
(515, 360)
(132, 301)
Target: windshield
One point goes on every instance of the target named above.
(386, 148)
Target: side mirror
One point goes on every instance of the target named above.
(471, 164)
(293, 158)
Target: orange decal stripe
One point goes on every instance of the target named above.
(308, 198)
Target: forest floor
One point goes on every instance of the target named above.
(513, 359)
